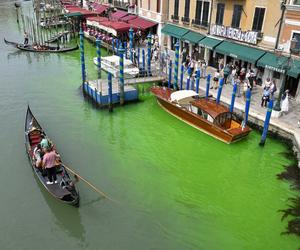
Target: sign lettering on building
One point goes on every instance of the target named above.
(235, 34)
(275, 69)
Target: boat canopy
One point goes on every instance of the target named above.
(183, 96)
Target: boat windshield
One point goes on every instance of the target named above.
(223, 120)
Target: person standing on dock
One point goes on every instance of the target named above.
(25, 38)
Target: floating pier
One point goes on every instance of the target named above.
(98, 92)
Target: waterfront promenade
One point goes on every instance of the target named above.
(286, 122)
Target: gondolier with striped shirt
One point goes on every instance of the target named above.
(49, 163)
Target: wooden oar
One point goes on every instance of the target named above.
(89, 184)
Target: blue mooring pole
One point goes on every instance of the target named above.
(110, 104)
(181, 76)
(113, 46)
(83, 75)
(138, 57)
(233, 97)
(131, 43)
(175, 86)
(125, 48)
(121, 65)
(170, 74)
(220, 90)
(143, 62)
(98, 45)
(207, 86)
(248, 100)
(266, 123)
(188, 79)
(197, 80)
(149, 54)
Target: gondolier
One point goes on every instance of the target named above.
(49, 161)
(25, 38)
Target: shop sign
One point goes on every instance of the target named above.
(275, 69)
(235, 34)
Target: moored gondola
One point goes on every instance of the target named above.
(64, 190)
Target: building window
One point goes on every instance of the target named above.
(236, 17)
(258, 19)
(110, 1)
(296, 2)
(202, 11)
(187, 8)
(198, 11)
(297, 37)
(176, 8)
(158, 6)
(220, 13)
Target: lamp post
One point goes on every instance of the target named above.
(285, 66)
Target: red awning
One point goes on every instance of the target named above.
(141, 23)
(118, 14)
(98, 19)
(128, 18)
(99, 8)
(73, 9)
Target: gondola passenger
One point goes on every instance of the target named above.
(38, 154)
(44, 143)
(49, 163)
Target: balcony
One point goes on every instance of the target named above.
(121, 5)
(200, 23)
(175, 19)
(185, 20)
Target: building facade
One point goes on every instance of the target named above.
(242, 32)
(153, 10)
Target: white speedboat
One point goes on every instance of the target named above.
(111, 65)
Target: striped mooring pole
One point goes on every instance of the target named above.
(188, 79)
(121, 65)
(110, 104)
(181, 76)
(248, 100)
(197, 80)
(220, 90)
(266, 123)
(149, 54)
(175, 86)
(131, 43)
(170, 74)
(98, 45)
(143, 62)
(83, 75)
(207, 86)
(233, 97)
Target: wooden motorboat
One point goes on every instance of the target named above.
(202, 113)
(46, 49)
(65, 189)
(111, 64)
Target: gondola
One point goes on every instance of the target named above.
(10, 43)
(64, 190)
(46, 49)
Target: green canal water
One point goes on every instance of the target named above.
(175, 187)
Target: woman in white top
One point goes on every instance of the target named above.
(285, 101)
(216, 79)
